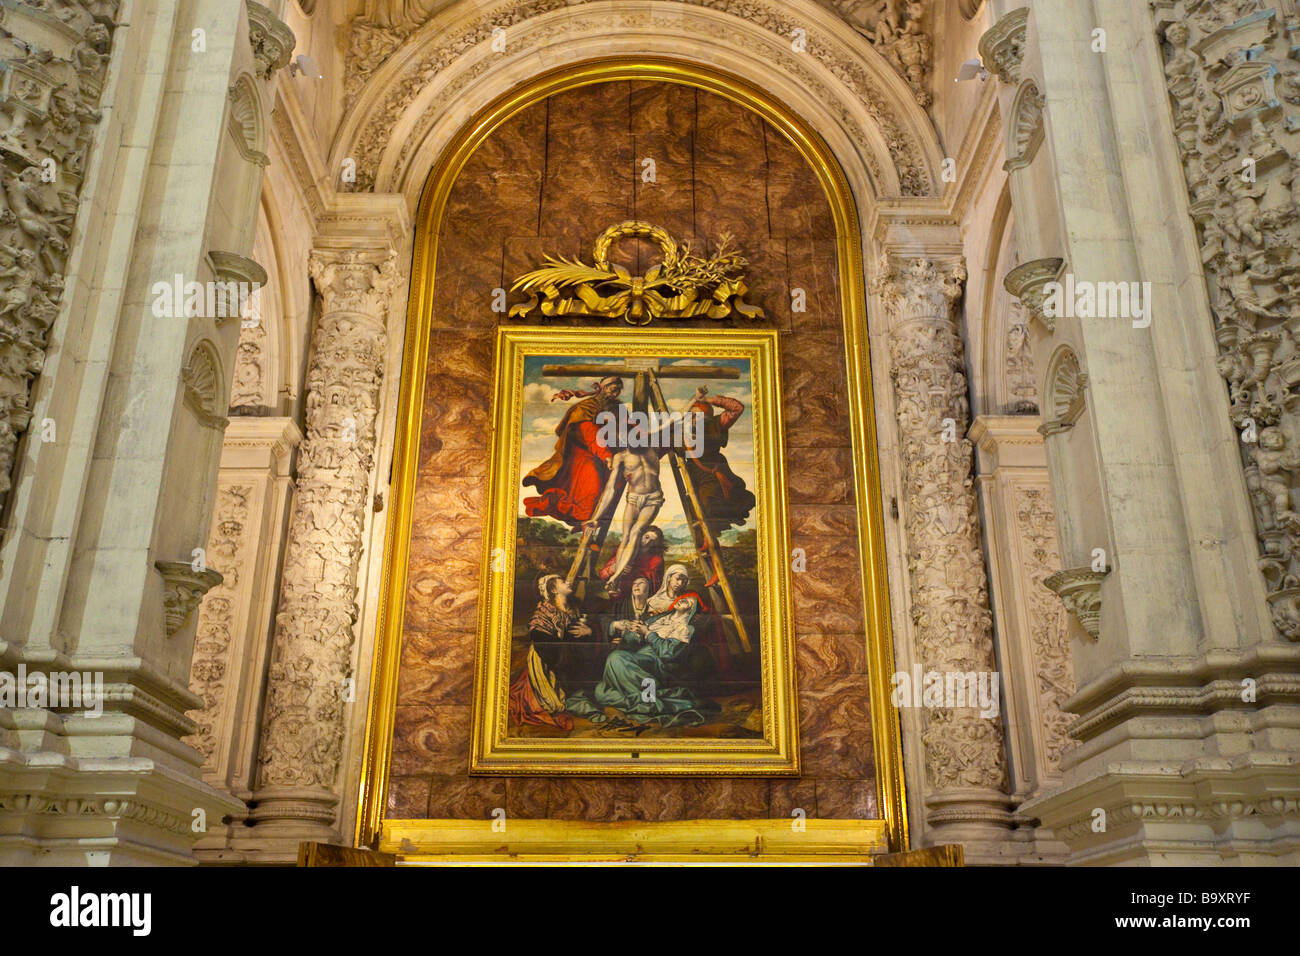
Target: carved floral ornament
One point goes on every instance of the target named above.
(1066, 383)
(271, 39)
(680, 286)
(1028, 282)
(1026, 126)
(1080, 591)
(183, 589)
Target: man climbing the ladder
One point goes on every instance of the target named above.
(724, 500)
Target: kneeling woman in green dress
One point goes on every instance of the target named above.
(643, 674)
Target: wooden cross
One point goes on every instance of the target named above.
(648, 393)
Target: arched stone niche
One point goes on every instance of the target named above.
(548, 181)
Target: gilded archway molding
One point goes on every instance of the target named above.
(861, 408)
(803, 55)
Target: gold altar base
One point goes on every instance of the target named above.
(678, 841)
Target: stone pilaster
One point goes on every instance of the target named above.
(230, 652)
(310, 674)
(1031, 628)
(965, 759)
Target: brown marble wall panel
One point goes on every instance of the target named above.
(549, 182)
(589, 165)
(812, 267)
(408, 798)
(458, 797)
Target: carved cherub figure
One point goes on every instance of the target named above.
(1240, 280)
(1276, 467)
(1245, 210)
(889, 23)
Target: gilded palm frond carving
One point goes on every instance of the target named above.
(680, 286)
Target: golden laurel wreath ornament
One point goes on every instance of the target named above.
(679, 286)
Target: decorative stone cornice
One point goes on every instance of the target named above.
(1080, 591)
(183, 589)
(1028, 283)
(271, 39)
(1002, 47)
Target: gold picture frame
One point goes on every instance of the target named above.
(660, 362)
(568, 841)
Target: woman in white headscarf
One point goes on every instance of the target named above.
(644, 676)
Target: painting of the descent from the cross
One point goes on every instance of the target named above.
(636, 618)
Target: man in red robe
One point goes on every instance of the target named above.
(569, 483)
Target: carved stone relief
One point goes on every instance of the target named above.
(55, 55)
(1002, 47)
(371, 44)
(1026, 126)
(204, 392)
(271, 39)
(1019, 369)
(1232, 76)
(183, 588)
(210, 665)
(1035, 520)
(899, 29)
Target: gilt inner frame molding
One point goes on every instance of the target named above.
(432, 840)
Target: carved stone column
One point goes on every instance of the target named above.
(965, 760)
(311, 659)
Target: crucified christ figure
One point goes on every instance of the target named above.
(639, 467)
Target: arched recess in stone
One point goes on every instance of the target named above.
(240, 180)
(402, 120)
(1006, 382)
(260, 362)
(831, 176)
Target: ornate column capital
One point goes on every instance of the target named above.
(1002, 47)
(918, 288)
(354, 280)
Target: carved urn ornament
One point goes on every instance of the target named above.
(1080, 591)
(680, 286)
(183, 589)
(1028, 282)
